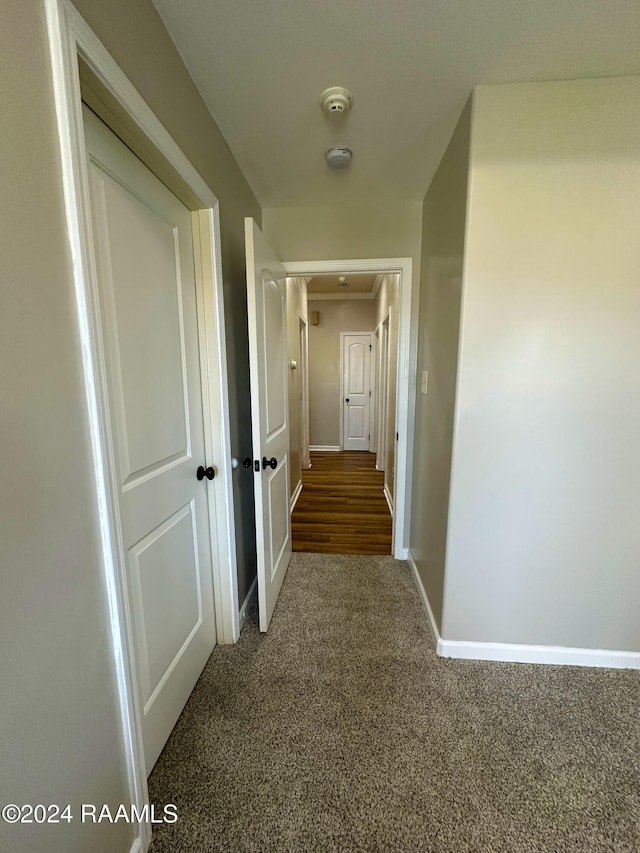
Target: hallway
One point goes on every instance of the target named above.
(342, 508)
(340, 729)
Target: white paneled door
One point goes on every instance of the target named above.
(356, 389)
(266, 309)
(147, 294)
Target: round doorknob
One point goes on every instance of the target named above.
(269, 462)
(203, 472)
(346, 400)
(246, 462)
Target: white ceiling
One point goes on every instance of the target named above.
(261, 65)
(331, 284)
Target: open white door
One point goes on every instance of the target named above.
(266, 308)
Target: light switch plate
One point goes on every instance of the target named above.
(425, 382)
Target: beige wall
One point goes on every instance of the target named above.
(61, 739)
(544, 540)
(443, 237)
(390, 230)
(387, 301)
(358, 315)
(296, 308)
(136, 38)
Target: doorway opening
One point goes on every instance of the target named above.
(360, 350)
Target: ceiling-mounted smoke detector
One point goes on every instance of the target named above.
(336, 101)
(338, 157)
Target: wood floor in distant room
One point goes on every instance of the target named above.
(342, 508)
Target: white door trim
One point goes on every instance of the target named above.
(373, 407)
(406, 374)
(71, 37)
(368, 334)
(303, 334)
(383, 395)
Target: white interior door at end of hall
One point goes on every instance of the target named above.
(266, 309)
(147, 289)
(356, 365)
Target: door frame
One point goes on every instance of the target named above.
(303, 340)
(369, 334)
(373, 408)
(405, 375)
(383, 394)
(71, 40)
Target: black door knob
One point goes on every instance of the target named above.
(272, 462)
(246, 462)
(347, 400)
(203, 472)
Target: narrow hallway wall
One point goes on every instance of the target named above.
(443, 235)
(390, 230)
(387, 301)
(296, 308)
(324, 363)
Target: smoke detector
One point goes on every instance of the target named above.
(336, 100)
(342, 282)
(338, 157)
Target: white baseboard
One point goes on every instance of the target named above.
(247, 601)
(402, 554)
(518, 653)
(389, 499)
(558, 655)
(425, 601)
(295, 495)
(327, 448)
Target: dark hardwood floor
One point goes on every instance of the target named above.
(342, 508)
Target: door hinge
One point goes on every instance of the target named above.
(370, 347)
(369, 391)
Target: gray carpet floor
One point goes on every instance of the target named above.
(340, 730)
